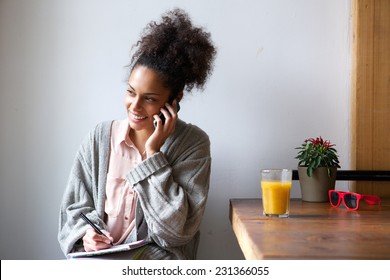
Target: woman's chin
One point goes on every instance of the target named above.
(140, 124)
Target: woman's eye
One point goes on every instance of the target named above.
(150, 99)
(130, 92)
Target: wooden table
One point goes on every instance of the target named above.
(313, 231)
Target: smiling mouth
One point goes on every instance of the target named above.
(137, 117)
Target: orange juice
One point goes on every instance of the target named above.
(276, 197)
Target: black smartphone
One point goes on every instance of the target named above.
(161, 115)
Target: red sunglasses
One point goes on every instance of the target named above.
(351, 199)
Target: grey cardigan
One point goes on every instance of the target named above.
(172, 188)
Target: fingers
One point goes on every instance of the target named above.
(170, 114)
(162, 131)
(109, 238)
(173, 109)
(94, 242)
(157, 122)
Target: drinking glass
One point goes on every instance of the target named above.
(276, 186)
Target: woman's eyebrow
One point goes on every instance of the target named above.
(130, 86)
(146, 93)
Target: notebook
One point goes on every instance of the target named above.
(114, 249)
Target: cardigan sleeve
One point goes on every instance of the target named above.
(81, 195)
(173, 190)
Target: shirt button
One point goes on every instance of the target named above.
(126, 218)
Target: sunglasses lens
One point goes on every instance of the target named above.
(334, 198)
(350, 201)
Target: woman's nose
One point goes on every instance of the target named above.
(136, 103)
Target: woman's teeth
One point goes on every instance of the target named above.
(138, 117)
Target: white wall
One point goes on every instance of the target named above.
(282, 75)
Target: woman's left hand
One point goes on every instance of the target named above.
(162, 131)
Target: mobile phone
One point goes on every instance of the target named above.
(161, 115)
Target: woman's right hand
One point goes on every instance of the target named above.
(93, 241)
(162, 131)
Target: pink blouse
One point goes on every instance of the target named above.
(120, 197)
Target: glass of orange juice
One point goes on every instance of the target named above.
(276, 186)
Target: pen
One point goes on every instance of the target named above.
(93, 226)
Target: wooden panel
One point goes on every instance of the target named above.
(370, 97)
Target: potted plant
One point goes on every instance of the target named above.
(317, 168)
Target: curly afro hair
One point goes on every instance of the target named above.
(181, 53)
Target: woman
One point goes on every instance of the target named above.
(146, 177)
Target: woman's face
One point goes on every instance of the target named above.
(145, 95)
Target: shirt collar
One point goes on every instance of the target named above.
(123, 133)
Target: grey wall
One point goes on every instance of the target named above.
(282, 75)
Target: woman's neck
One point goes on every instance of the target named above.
(139, 138)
